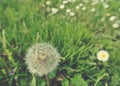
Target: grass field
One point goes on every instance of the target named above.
(79, 29)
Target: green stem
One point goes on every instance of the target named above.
(33, 82)
(47, 79)
(4, 44)
(100, 79)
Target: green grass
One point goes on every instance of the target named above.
(78, 40)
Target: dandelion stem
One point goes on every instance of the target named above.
(47, 79)
(33, 82)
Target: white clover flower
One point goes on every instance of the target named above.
(83, 8)
(102, 55)
(77, 7)
(48, 3)
(42, 59)
(54, 10)
(71, 13)
(112, 18)
(62, 6)
(115, 25)
(93, 10)
(68, 10)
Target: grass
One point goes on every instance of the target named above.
(78, 40)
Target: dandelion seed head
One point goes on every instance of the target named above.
(42, 59)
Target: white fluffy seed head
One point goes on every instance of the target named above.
(42, 59)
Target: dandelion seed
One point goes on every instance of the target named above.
(54, 10)
(112, 18)
(42, 59)
(115, 25)
(62, 6)
(103, 55)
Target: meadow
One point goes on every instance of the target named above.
(78, 29)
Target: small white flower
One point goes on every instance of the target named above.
(93, 10)
(112, 18)
(83, 8)
(95, 2)
(68, 10)
(105, 6)
(71, 13)
(80, 4)
(65, 2)
(48, 3)
(115, 25)
(103, 55)
(72, 1)
(62, 6)
(54, 10)
(108, 14)
(85, 1)
(77, 7)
